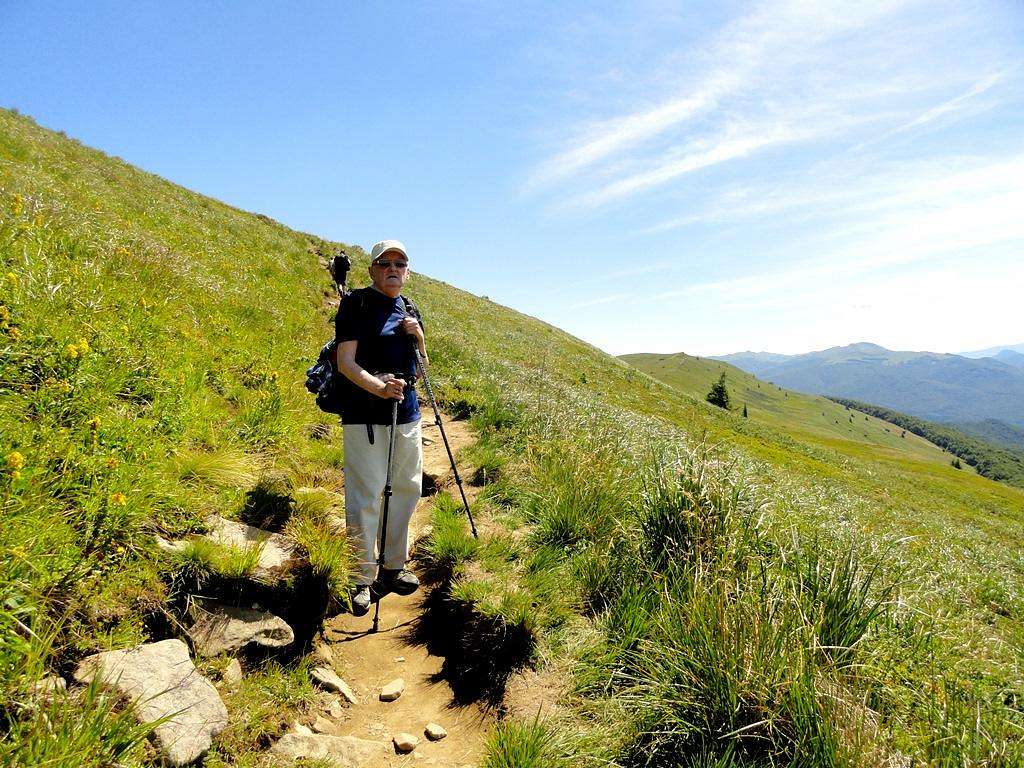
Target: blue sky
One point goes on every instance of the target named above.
(650, 176)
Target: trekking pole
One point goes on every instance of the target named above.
(387, 503)
(421, 364)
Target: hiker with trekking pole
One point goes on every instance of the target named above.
(366, 374)
(379, 340)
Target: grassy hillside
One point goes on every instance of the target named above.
(711, 590)
(812, 419)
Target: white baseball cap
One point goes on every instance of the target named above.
(379, 249)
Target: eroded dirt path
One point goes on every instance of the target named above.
(367, 661)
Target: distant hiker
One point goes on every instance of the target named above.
(376, 329)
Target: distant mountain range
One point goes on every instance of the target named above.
(982, 395)
(994, 351)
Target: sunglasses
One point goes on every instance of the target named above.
(395, 264)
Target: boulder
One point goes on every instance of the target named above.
(161, 681)
(340, 751)
(221, 628)
(405, 742)
(329, 679)
(392, 690)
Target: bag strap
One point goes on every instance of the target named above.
(411, 308)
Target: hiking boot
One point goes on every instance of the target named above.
(360, 600)
(399, 580)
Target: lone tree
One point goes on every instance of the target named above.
(744, 410)
(719, 395)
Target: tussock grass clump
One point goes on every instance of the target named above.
(515, 744)
(223, 467)
(329, 553)
(80, 729)
(264, 705)
(450, 544)
(200, 559)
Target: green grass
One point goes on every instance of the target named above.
(724, 591)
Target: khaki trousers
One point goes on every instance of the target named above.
(365, 474)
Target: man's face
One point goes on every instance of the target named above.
(388, 277)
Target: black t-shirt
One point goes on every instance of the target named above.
(373, 319)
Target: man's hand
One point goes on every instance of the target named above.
(394, 388)
(411, 326)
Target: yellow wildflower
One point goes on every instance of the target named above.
(111, 462)
(94, 423)
(5, 313)
(11, 278)
(14, 333)
(15, 475)
(15, 460)
(19, 552)
(83, 347)
(18, 205)
(118, 499)
(71, 352)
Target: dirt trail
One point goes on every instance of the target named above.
(368, 661)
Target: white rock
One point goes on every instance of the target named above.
(232, 674)
(392, 690)
(435, 732)
(340, 751)
(220, 628)
(162, 682)
(329, 679)
(276, 551)
(399, 659)
(170, 546)
(405, 742)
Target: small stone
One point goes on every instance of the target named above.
(51, 684)
(405, 742)
(335, 710)
(232, 674)
(325, 726)
(392, 690)
(399, 659)
(329, 679)
(435, 732)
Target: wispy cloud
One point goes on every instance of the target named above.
(787, 73)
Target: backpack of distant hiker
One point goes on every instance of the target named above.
(332, 388)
